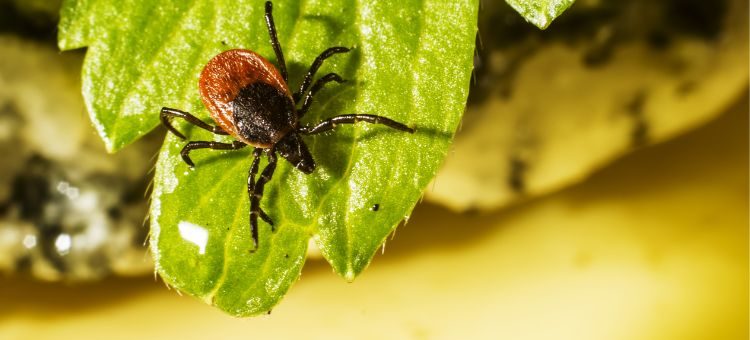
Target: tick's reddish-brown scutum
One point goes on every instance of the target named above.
(223, 78)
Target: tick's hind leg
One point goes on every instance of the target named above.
(257, 194)
(251, 183)
(190, 146)
(166, 114)
(331, 123)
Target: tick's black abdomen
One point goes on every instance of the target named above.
(263, 114)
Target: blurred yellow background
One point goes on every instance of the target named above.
(654, 246)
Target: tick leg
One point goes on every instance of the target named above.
(185, 153)
(314, 68)
(255, 210)
(316, 87)
(275, 40)
(251, 182)
(331, 123)
(167, 113)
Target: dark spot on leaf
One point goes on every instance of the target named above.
(375, 207)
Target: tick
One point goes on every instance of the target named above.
(249, 99)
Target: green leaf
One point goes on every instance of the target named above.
(411, 61)
(540, 12)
